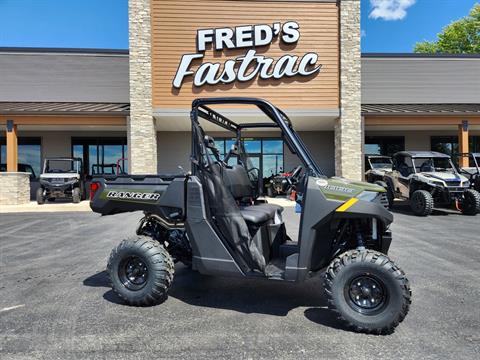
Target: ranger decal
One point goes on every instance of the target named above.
(132, 195)
(340, 189)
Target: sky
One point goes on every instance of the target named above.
(396, 25)
(387, 25)
(64, 23)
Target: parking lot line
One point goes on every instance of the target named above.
(11, 308)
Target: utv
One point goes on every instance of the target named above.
(472, 172)
(284, 183)
(377, 166)
(212, 220)
(429, 179)
(61, 178)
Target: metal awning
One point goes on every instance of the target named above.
(420, 109)
(64, 108)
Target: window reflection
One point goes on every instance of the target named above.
(29, 153)
(101, 155)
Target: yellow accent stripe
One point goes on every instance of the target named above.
(347, 205)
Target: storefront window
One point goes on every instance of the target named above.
(101, 155)
(445, 144)
(272, 158)
(264, 154)
(475, 144)
(384, 145)
(29, 153)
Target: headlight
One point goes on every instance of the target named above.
(368, 195)
(436, 183)
(466, 183)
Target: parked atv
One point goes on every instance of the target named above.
(212, 221)
(472, 172)
(376, 167)
(61, 178)
(429, 179)
(284, 183)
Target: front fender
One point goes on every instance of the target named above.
(359, 209)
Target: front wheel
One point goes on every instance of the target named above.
(40, 197)
(471, 202)
(421, 203)
(76, 195)
(141, 271)
(369, 292)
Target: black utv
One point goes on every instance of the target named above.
(213, 220)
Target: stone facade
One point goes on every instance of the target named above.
(141, 131)
(348, 128)
(14, 188)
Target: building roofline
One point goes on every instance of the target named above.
(420, 56)
(41, 50)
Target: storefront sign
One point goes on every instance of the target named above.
(249, 65)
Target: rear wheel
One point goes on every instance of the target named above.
(421, 203)
(369, 292)
(40, 197)
(471, 202)
(76, 196)
(141, 271)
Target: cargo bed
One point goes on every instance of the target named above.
(162, 194)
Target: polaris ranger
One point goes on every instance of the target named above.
(61, 178)
(429, 179)
(212, 220)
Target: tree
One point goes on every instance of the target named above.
(460, 37)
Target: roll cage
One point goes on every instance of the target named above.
(201, 109)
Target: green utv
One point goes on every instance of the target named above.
(214, 221)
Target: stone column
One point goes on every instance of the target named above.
(348, 128)
(14, 188)
(142, 134)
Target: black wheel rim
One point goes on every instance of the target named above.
(133, 273)
(418, 203)
(366, 294)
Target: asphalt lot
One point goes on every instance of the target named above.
(55, 302)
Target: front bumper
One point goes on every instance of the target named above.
(57, 188)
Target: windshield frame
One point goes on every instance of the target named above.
(76, 166)
(386, 158)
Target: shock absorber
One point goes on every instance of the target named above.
(359, 235)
